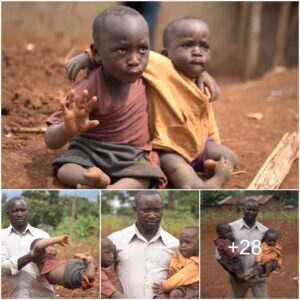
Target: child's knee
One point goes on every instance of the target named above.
(176, 294)
(232, 156)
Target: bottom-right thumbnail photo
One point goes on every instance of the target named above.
(249, 244)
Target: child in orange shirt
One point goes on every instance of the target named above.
(183, 279)
(270, 257)
(69, 273)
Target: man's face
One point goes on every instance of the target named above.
(188, 243)
(149, 212)
(251, 211)
(189, 49)
(18, 214)
(124, 50)
(107, 253)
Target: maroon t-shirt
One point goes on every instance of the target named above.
(226, 253)
(123, 123)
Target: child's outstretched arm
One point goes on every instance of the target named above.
(42, 244)
(77, 63)
(76, 120)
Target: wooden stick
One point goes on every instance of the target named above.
(29, 130)
(278, 164)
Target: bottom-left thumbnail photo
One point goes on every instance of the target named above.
(50, 244)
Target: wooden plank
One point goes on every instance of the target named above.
(278, 164)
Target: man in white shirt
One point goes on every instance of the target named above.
(248, 233)
(17, 265)
(144, 249)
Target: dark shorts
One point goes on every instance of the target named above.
(73, 275)
(189, 292)
(236, 265)
(117, 161)
(197, 164)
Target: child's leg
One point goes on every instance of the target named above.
(182, 175)
(176, 294)
(215, 151)
(72, 175)
(269, 267)
(130, 183)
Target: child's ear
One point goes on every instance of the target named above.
(96, 55)
(164, 52)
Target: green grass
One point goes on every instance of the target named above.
(214, 215)
(171, 223)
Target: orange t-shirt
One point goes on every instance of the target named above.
(182, 271)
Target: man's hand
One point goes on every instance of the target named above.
(85, 257)
(158, 288)
(35, 258)
(76, 116)
(77, 63)
(205, 80)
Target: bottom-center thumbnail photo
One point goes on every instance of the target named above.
(150, 243)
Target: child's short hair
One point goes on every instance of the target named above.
(270, 231)
(220, 227)
(100, 27)
(193, 228)
(169, 29)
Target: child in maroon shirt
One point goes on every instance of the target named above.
(229, 257)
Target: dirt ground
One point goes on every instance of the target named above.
(34, 81)
(281, 284)
(81, 246)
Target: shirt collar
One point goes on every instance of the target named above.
(28, 229)
(257, 225)
(160, 234)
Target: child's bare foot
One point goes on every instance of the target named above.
(223, 169)
(209, 166)
(96, 177)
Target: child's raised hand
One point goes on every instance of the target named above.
(76, 116)
(64, 240)
(77, 63)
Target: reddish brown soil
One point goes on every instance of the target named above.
(34, 82)
(67, 253)
(281, 284)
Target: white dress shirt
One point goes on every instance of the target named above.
(141, 263)
(27, 282)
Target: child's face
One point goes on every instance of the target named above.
(188, 243)
(124, 52)
(271, 239)
(189, 49)
(227, 233)
(107, 253)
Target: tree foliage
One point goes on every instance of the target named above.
(49, 208)
(211, 198)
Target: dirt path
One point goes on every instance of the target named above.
(34, 82)
(281, 284)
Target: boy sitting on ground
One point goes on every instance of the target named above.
(110, 284)
(71, 273)
(183, 130)
(111, 149)
(270, 258)
(183, 278)
(230, 258)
